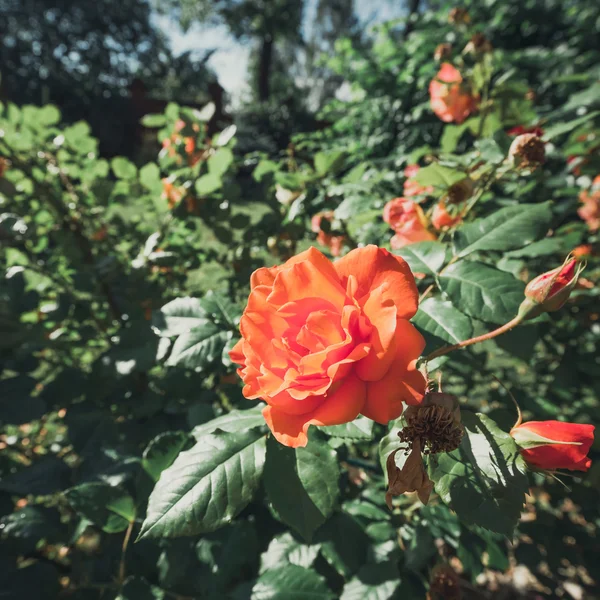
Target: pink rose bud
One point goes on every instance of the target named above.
(549, 291)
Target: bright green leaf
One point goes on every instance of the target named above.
(505, 229)
(484, 481)
(424, 257)
(291, 583)
(302, 484)
(482, 291)
(206, 486)
(162, 451)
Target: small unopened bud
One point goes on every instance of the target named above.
(478, 44)
(549, 291)
(443, 51)
(459, 16)
(527, 151)
(460, 191)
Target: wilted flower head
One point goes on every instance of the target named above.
(451, 101)
(442, 51)
(431, 427)
(321, 224)
(412, 477)
(590, 209)
(407, 219)
(549, 291)
(527, 151)
(2, 166)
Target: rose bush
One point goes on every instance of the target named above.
(335, 466)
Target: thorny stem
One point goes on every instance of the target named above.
(480, 338)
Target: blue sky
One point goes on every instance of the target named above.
(230, 61)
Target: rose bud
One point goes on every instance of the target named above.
(442, 51)
(549, 291)
(527, 151)
(555, 445)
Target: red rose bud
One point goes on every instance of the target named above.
(549, 291)
(555, 445)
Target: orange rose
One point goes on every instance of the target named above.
(411, 187)
(324, 342)
(335, 243)
(590, 211)
(449, 99)
(441, 218)
(406, 218)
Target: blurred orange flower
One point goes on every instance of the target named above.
(590, 211)
(335, 243)
(407, 219)
(411, 187)
(450, 101)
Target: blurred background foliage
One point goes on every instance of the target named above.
(130, 179)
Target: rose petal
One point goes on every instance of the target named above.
(373, 267)
(402, 382)
(341, 406)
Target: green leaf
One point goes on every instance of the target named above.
(359, 429)
(154, 121)
(221, 309)
(48, 115)
(123, 168)
(162, 451)
(108, 507)
(150, 178)
(290, 181)
(207, 184)
(551, 132)
(424, 257)
(179, 316)
(285, 549)
(326, 162)
(441, 319)
(199, 347)
(508, 228)
(291, 583)
(264, 167)
(302, 484)
(482, 291)
(373, 582)
(220, 161)
(484, 481)
(236, 420)
(550, 245)
(451, 136)
(438, 176)
(206, 486)
(490, 151)
(343, 544)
